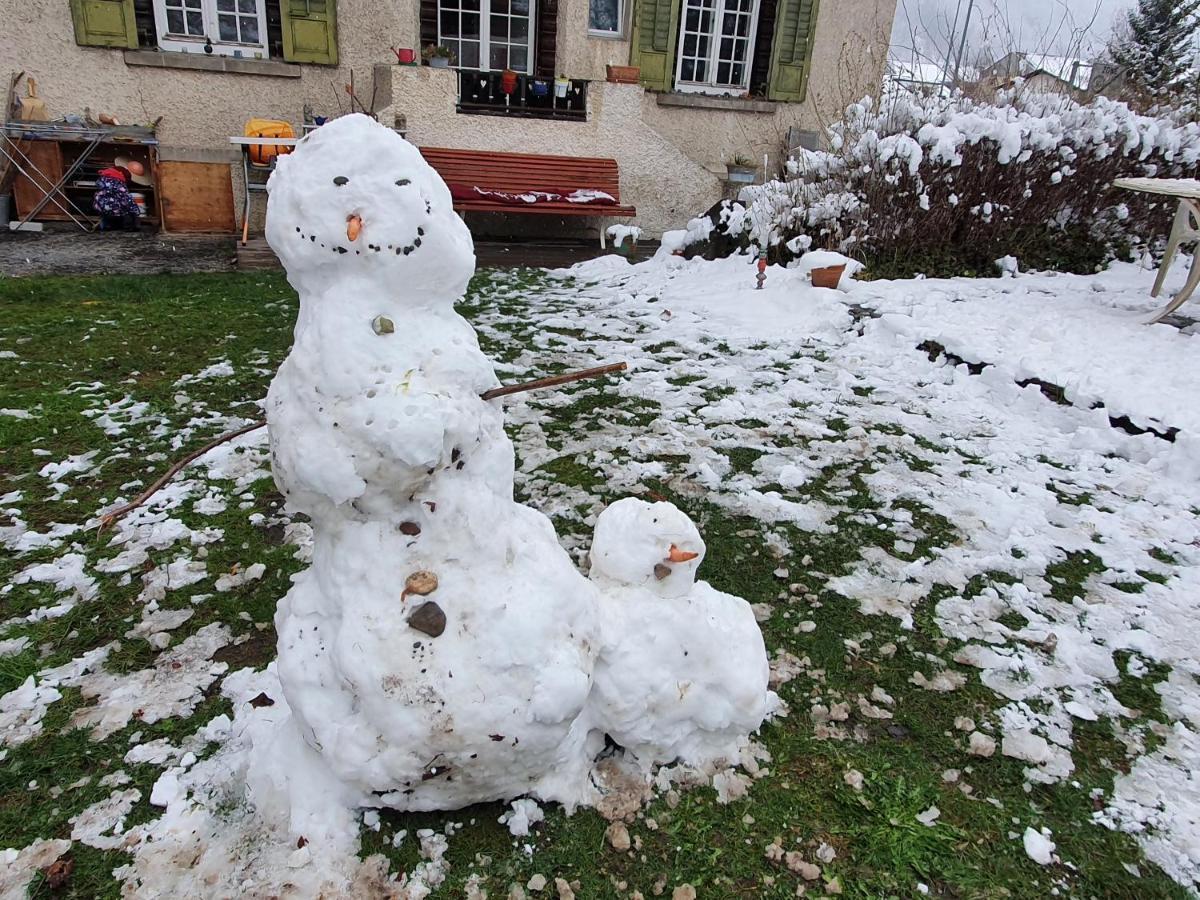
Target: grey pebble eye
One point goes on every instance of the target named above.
(402, 182)
(340, 180)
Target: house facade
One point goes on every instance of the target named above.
(717, 79)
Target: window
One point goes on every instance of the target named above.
(606, 18)
(716, 45)
(489, 35)
(233, 26)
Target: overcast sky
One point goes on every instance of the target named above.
(1048, 26)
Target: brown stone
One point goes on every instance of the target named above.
(412, 529)
(429, 619)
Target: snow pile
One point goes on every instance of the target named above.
(920, 174)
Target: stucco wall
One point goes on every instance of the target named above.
(670, 157)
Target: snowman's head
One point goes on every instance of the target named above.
(650, 545)
(355, 198)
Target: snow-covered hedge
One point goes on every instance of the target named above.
(928, 180)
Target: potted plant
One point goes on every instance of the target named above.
(624, 238)
(825, 267)
(438, 56)
(508, 81)
(741, 170)
(561, 85)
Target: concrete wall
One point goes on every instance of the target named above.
(671, 157)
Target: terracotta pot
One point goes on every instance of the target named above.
(624, 74)
(508, 81)
(827, 276)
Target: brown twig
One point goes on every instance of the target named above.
(112, 516)
(109, 517)
(552, 381)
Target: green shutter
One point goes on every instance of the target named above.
(104, 23)
(309, 31)
(655, 26)
(791, 49)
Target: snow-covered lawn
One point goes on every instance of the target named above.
(966, 511)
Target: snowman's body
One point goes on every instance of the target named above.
(682, 671)
(379, 434)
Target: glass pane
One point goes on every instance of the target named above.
(498, 56)
(192, 4)
(689, 45)
(520, 7)
(449, 24)
(705, 22)
(520, 30)
(500, 29)
(195, 23)
(603, 15)
(247, 6)
(702, 46)
(472, 5)
(743, 29)
(723, 73)
(688, 72)
(227, 28)
(225, 5)
(469, 57)
(499, 7)
(518, 59)
(729, 23)
(250, 30)
(739, 75)
(701, 70)
(470, 26)
(726, 48)
(175, 21)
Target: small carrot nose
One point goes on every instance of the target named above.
(353, 227)
(676, 555)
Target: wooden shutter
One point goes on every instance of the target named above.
(309, 31)
(429, 23)
(791, 50)
(546, 39)
(655, 28)
(104, 23)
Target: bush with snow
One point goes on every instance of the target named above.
(955, 183)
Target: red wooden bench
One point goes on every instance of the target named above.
(509, 175)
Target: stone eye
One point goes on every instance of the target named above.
(403, 182)
(340, 180)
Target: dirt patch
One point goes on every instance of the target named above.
(255, 652)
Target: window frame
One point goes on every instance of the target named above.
(622, 31)
(713, 57)
(485, 37)
(178, 43)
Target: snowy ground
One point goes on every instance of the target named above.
(980, 597)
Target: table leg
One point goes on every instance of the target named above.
(1185, 228)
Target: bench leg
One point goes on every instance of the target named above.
(603, 245)
(1178, 230)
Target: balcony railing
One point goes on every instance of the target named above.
(482, 93)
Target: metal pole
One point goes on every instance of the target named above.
(962, 44)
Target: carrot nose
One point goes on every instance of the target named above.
(353, 227)
(676, 555)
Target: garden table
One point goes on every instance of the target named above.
(1186, 228)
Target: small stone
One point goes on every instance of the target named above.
(661, 571)
(618, 836)
(382, 325)
(516, 892)
(980, 744)
(899, 732)
(262, 700)
(412, 529)
(428, 619)
(536, 883)
(660, 885)
(853, 779)
(964, 723)
(420, 583)
(684, 892)
(564, 889)
(834, 886)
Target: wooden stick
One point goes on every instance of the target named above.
(553, 381)
(108, 518)
(566, 378)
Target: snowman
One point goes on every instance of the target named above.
(682, 671)
(440, 649)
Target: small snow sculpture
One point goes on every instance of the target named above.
(682, 671)
(443, 649)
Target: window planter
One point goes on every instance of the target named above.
(740, 174)
(485, 93)
(624, 74)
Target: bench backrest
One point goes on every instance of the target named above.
(516, 172)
